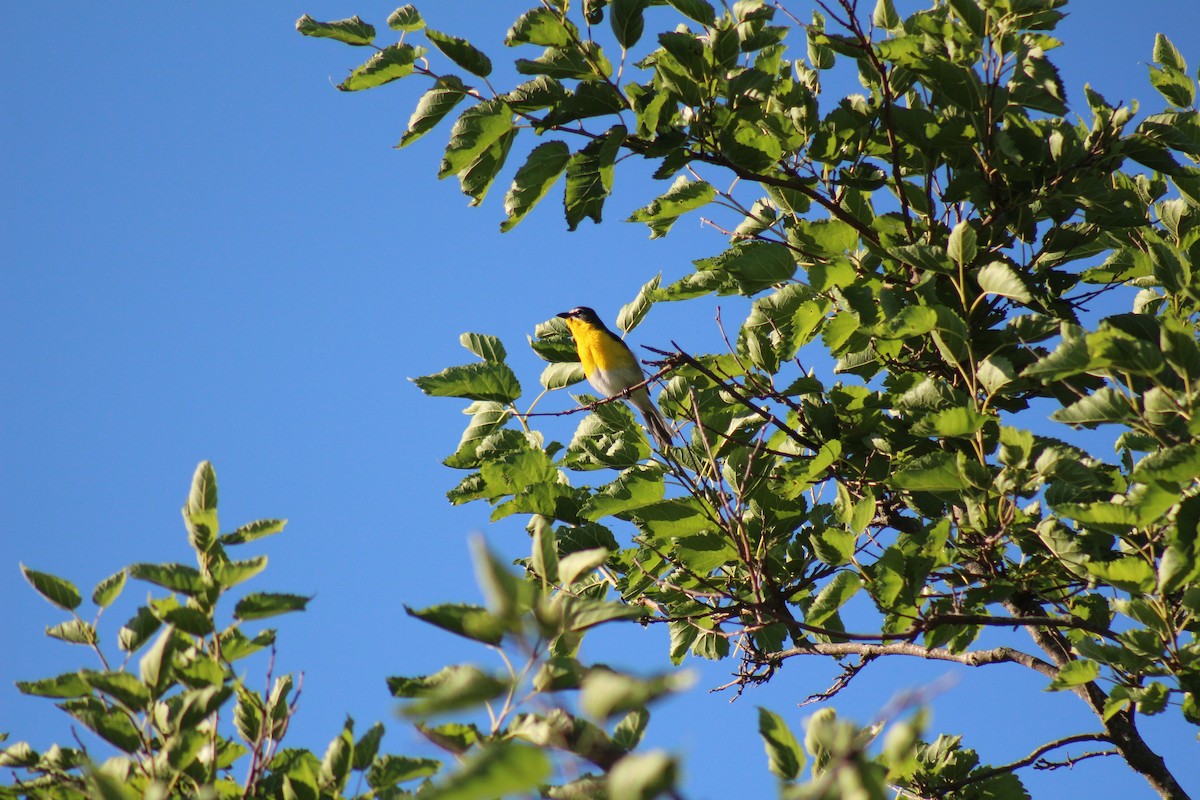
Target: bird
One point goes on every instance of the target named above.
(611, 368)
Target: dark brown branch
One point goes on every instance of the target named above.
(1031, 759)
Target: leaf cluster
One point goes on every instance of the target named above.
(969, 254)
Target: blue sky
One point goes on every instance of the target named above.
(210, 253)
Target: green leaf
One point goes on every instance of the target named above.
(200, 510)
(351, 31)
(590, 177)
(885, 15)
(634, 488)
(606, 692)
(755, 266)
(498, 769)
(451, 689)
(625, 17)
(1129, 573)
(111, 724)
(260, 605)
(584, 62)
(1069, 358)
(253, 530)
(581, 613)
(70, 684)
(138, 630)
(461, 52)
(446, 93)
(642, 776)
(533, 180)
(471, 622)
(227, 574)
(632, 313)
(391, 63)
(699, 10)
(339, 758)
(176, 577)
(405, 18)
(475, 130)
(999, 278)
(58, 591)
(950, 422)
(486, 381)
(1104, 406)
(74, 631)
(574, 564)
(785, 757)
(1177, 464)
(683, 196)
(961, 247)
(155, 665)
(1074, 673)
(833, 596)
(627, 733)
(109, 589)
(937, 472)
(387, 771)
(121, 686)
(479, 175)
(1166, 54)
(543, 27)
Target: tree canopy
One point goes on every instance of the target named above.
(973, 254)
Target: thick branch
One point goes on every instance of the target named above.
(970, 658)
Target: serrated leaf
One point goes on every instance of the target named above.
(699, 10)
(405, 18)
(486, 381)
(1178, 464)
(260, 605)
(625, 17)
(388, 770)
(999, 278)
(961, 247)
(446, 93)
(70, 684)
(684, 195)
(833, 596)
(1074, 673)
(253, 530)
(176, 577)
(75, 631)
(471, 622)
(109, 589)
(633, 312)
(391, 63)
(544, 27)
(58, 591)
(138, 630)
(936, 473)
(475, 130)
(461, 52)
(590, 176)
(1104, 406)
(351, 31)
(533, 180)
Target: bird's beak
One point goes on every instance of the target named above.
(563, 314)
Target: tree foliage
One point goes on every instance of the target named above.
(972, 252)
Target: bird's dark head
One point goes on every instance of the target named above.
(583, 314)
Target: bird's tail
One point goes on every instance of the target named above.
(660, 431)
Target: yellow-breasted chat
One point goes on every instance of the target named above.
(611, 368)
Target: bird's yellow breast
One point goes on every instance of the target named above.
(598, 349)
